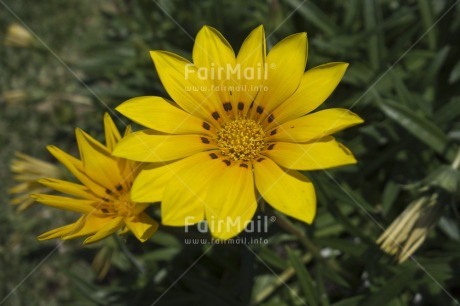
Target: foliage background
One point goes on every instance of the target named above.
(404, 80)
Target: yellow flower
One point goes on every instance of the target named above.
(240, 127)
(18, 36)
(104, 196)
(28, 170)
(409, 230)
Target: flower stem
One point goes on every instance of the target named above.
(288, 226)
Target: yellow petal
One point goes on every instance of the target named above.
(69, 188)
(286, 64)
(191, 90)
(110, 227)
(314, 126)
(98, 161)
(148, 146)
(289, 191)
(213, 53)
(158, 114)
(316, 86)
(71, 204)
(75, 166)
(321, 154)
(230, 201)
(184, 198)
(56, 233)
(251, 60)
(112, 135)
(151, 182)
(85, 225)
(142, 226)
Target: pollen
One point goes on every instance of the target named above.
(118, 205)
(241, 139)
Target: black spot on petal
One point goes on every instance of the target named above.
(204, 140)
(271, 118)
(119, 187)
(216, 115)
(206, 126)
(227, 106)
(240, 106)
(227, 162)
(244, 166)
(259, 109)
(108, 191)
(260, 159)
(273, 132)
(271, 146)
(213, 155)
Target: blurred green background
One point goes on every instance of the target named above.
(86, 57)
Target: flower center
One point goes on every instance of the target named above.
(119, 205)
(241, 139)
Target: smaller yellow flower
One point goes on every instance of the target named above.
(15, 96)
(27, 171)
(18, 36)
(104, 197)
(410, 229)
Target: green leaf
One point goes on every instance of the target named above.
(426, 11)
(418, 126)
(305, 281)
(314, 15)
(392, 288)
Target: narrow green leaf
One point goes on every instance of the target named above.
(313, 14)
(305, 280)
(418, 126)
(370, 22)
(403, 93)
(392, 288)
(426, 12)
(390, 192)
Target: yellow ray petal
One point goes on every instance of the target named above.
(75, 166)
(286, 64)
(152, 180)
(142, 226)
(158, 114)
(98, 161)
(251, 58)
(85, 225)
(69, 188)
(148, 146)
(110, 227)
(288, 191)
(213, 53)
(181, 79)
(112, 135)
(71, 204)
(230, 201)
(184, 198)
(321, 154)
(314, 126)
(56, 233)
(316, 86)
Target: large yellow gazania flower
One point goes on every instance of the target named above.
(240, 127)
(104, 197)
